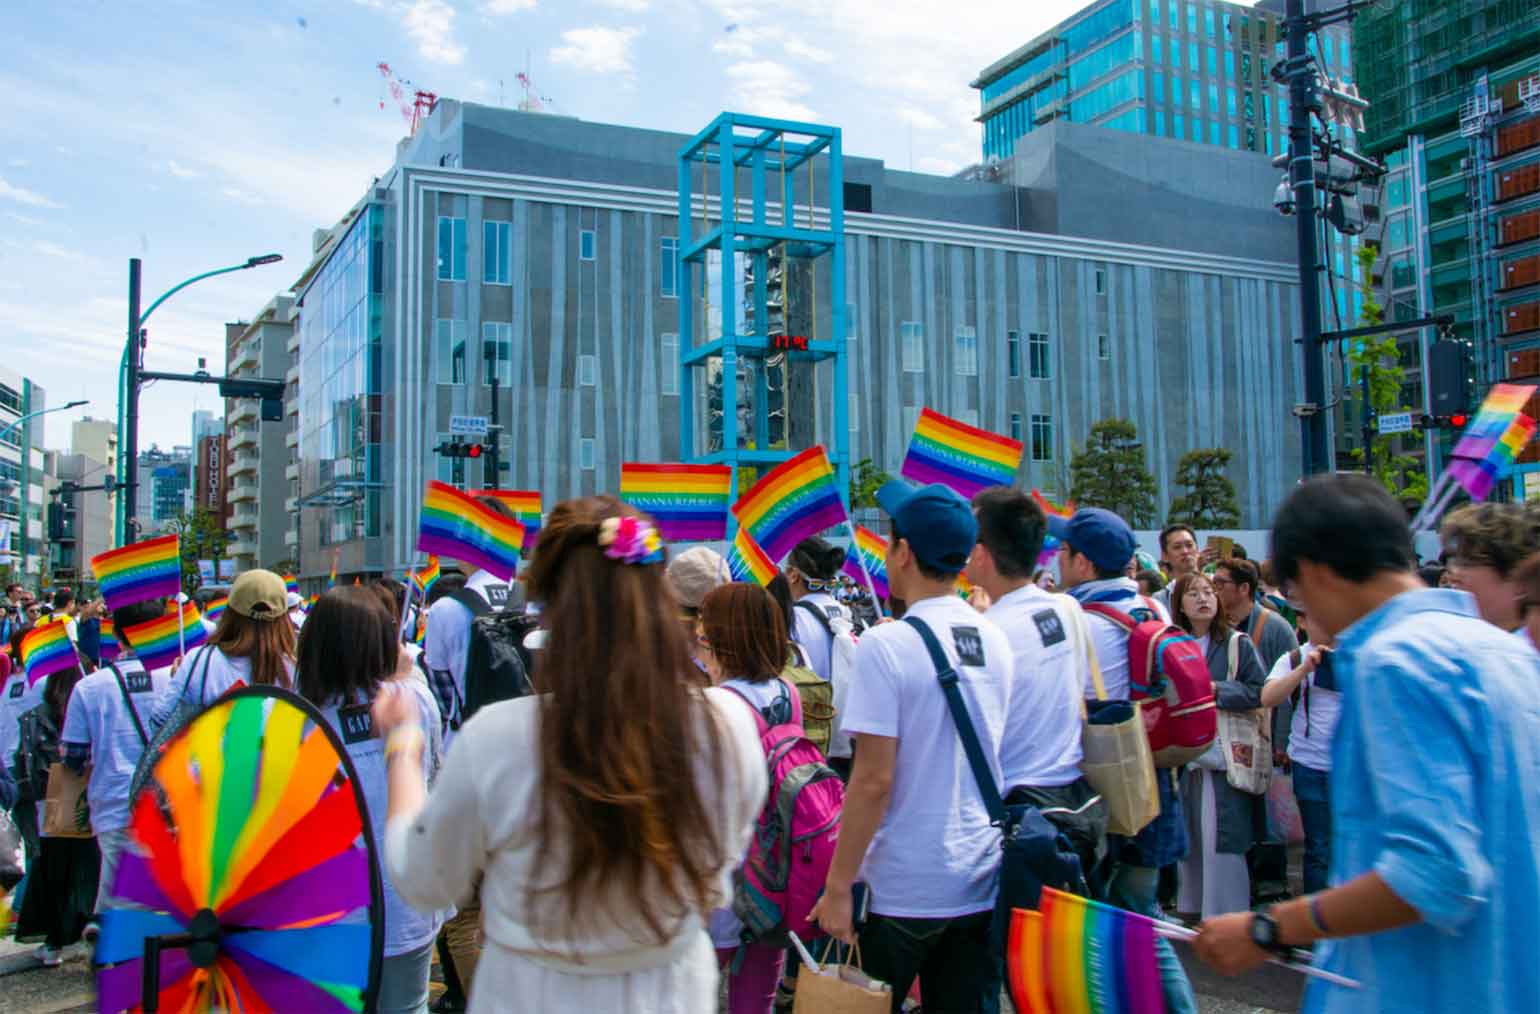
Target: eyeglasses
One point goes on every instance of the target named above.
(1221, 582)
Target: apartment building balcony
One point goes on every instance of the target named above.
(292, 471)
(242, 490)
(291, 375)
(244, 408)
(246, 356)
(244, 461)
(243, 547)
(291, 438)
(291, 537)
(292, 345)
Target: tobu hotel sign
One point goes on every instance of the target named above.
(210, 492)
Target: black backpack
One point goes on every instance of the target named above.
(497, 664)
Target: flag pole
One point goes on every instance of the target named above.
(181, 631)
(406, 607)
(1429, 515)
(1170, 932)
(1434, 493)
(850, 526)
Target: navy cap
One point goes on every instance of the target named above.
(1097, 534)
(937, 523)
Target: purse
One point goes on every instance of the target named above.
(1116, 757)
(1246, 739)
(66, 810)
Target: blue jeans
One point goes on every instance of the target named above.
(1312, 790)
(1133, 888)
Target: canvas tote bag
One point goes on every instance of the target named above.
(1117, 759)
(1246, 739)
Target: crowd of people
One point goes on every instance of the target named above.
(697, 766)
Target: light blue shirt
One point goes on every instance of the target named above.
(1435, 786)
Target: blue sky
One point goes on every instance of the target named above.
(195, 134)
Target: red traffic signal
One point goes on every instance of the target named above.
(457, 449)
(474, 450)
(1458, 420)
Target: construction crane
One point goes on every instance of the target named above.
(534, 101)
(422, 102)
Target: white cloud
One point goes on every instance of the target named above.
(498, 8)
(797, 48)
(770, 89)
(431, 24)
(27, 220)
(628, 6)
(919, 118)
(24, 196)
(241, 196)
(599, 49)
(181, 172)
(18, 163)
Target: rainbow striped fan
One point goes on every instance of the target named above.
(250, 882)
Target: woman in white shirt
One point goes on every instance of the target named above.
(605, 815)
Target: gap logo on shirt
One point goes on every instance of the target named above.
(970, 646)
(357, 724)
(18, 688)
(1049, 627)
(138, 682)
(497, 596)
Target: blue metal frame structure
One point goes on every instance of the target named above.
(771, 150)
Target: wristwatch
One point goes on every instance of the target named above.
(1264, 931)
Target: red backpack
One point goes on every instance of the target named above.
(1167, 671)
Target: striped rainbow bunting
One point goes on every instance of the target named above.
(688, 503)
(870, 549)
(215, 608)
(160, 642)
(108, 648)
(455, 525)
(142, 570)
(47, 649)
(1074, 954)
(425, 578)
(960, 456)
(747, 562)
(525, 504)
(796, 499)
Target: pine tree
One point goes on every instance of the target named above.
(1210, 498)
(1110, 472)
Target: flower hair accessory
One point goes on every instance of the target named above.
(630, 540)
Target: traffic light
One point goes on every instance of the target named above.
(460, 449)
(1454, 421)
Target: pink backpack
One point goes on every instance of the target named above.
(1168, 672)
(794, 838)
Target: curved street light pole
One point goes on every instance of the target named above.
(26, 452)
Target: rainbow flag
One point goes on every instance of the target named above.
(796, 499)
(963, 457)
(215, 608)
(1504, 403)
(747, 562)
(687, 502)
(963, 586)
(309, 603)
(331, 578)
(1050, 509)
(160, 642)
(425, 578)
(455, 525)
(1478, 476)
(525, 504)
(1078, 955)
(290, 584)
(109, 647)
(870, 549)
(143, 570)
(47, 649)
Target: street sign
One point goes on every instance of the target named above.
(467, 425)
(1395, 422)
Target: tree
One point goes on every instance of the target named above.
(865, 480)
(201, 539)
(1210, 499)
(1377, 358)
(1109, 472)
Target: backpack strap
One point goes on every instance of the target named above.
(823, 617)
(471, 600)
(1122, 619)
(1233, 653)
(946, 675)
(133, 712)
(1092, 663)
(760, 724)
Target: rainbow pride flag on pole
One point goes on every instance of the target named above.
(456, 525)
(687, 502)
(1078, 955)
(796, 499)
(1494, 439)
(747, 562)
(960, 456)
(109, 648)
(215, 608)
(525, 504)
(870, 549)
(290, 584)
(331, 578)
(143, 570)
(161, 641)
(46, 649)
(1052, 510)
(425, 578)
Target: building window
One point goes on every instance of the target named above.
(1160, 123)
(967, 345)
(1179, 126)
(1229, 63)
(1038, 365)
(911, 335)
(1013, 350)
(587, 370)
(1154, 12)
(670, 356)
(451, 249)
(1213, 132)
(1042, 438)
(449, 350)
(1235, 138)
(1195, 95)
(1192, 20)
(1192, 57)
(496, 268)
(1208, 22)
(1212, 55)
(586, 245)
(1103, 347)
(586, 454)
(911, 418)
(1101, 282)
(854, 413)
(1213, 99)
(1159, 88)
(668, 270)
(1016, 426)
(1176, 54)
(497, 353)
(1176, 90)
(1155, 50)
(969, 417)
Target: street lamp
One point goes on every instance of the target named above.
(8, 486)
(42, 411)
(128, 374)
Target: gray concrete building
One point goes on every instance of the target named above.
(543, 251)
(256, 487)
(80, 524)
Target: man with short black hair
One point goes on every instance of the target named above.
(1179, 549)
(1436, 821)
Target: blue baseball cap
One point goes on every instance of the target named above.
(937, 523)
(1097, 534)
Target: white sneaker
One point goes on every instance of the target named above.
(90, 933)
(49, 956)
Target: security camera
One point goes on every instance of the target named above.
(1283, 197)
(1305, 409)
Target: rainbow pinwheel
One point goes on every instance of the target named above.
(250, 873)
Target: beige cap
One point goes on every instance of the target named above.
(259, 595)
(693, 573)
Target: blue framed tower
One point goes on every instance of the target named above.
(752, 254)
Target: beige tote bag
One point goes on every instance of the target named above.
(1117, 760)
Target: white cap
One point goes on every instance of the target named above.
(294, 600)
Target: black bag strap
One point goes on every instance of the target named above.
(812, 607)
(946, 674)
(471, 600)
(128, 699)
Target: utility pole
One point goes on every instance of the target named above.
(130, 447)
(1304, 101)
(494, 438)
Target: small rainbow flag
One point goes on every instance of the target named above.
(525, 504)
(108, 647)
(963, 457)
(331, 578)
(1074, 954)
(963, 586)
(747, 562)
(309, 603)
(47, 649)
(796, 499)
(290, 584)
(159, 642)
(426, 577)
(1478, 476)
(455, 525)
(143, 570)
(687, 502)
(1050, 509)
(216, 608)
(870, 549)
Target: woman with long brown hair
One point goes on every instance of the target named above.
(604, 814)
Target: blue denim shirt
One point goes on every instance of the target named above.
(1435, 786)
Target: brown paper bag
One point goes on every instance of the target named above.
(66, 813)
(841, 989)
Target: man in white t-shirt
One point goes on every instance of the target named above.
(915, 827)
(812, 574)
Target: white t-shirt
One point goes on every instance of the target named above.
(935, 854)
(448, 637)
(194, 682)
(98, 716)
(1041, 747)
(808, 632)
(16, 699)
(1111, 640)
(1310, 736)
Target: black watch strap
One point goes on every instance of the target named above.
(1265, 933)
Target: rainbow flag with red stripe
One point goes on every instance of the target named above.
(457, 525)
(1493, 440)
(1052, 510)
(425, 578)
(109, 648)
(960, 456)
(47, 649)
(160, 642)
(143, 570)
(215, 608)
(798, 498)
(747, 562)
(688, 503)
(525, 504)
(1078, 955)
(869, 549)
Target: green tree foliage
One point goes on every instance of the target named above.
(1210, 498)
(202, 538)
(1110, 472)
(865, 480)
(1377, 358)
